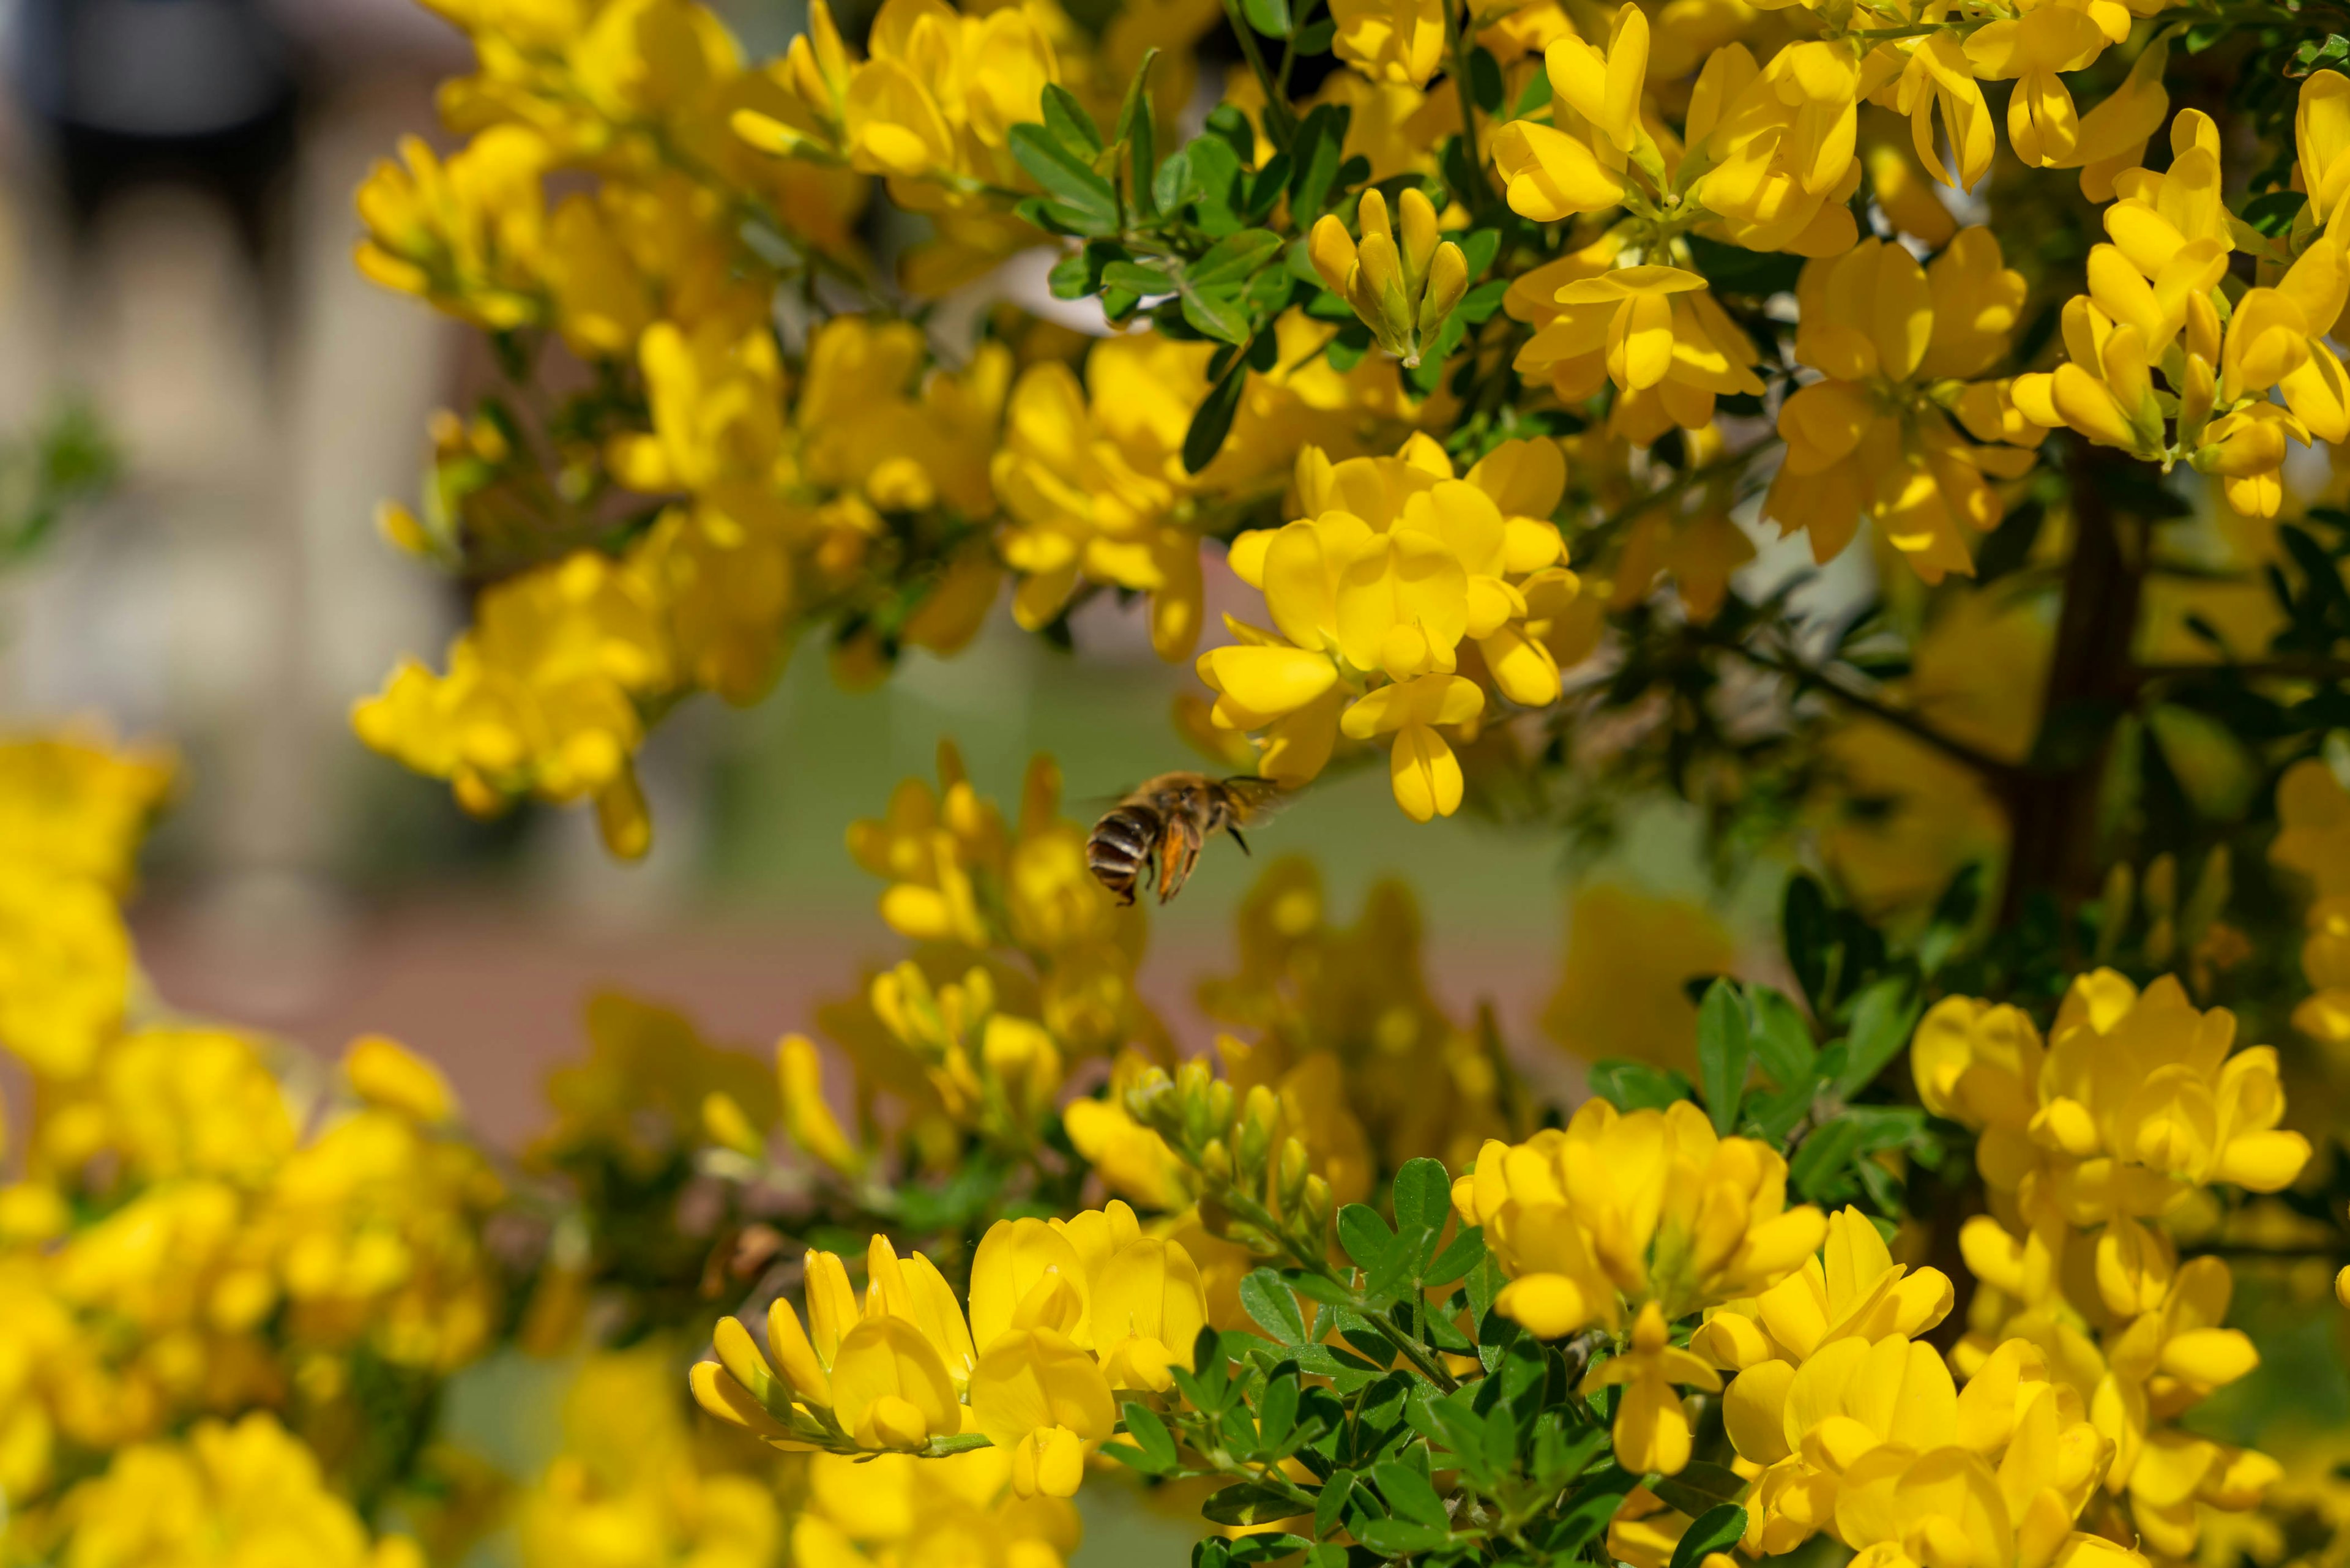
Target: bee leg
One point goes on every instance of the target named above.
(1236, 838)
(1178, 852)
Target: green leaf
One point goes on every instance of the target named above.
(1423, 1202)
(1213, 421)
(1232, 261)
(1409, 1495)
(1171, 187)
(1782, 1040)
(1076, 197)
(1276, 1414)
(1700, 1487)
(1314, 157)
(1139, 277)
(1364, 1236)
(1715, 1531)
(1636, 1086)
(1267, 1300)
(1462, 1253)
(1331, 1501)
(1316, 1288)
(1217, 316)
(1822, 1157)
(1270, 18)
(1485, 80)
(1722, 1052)
(1563, 1452)
(1135, 129)
(1066, 119)
(1151, 1440)
(1586, 1514)
(1805, 924)
(1314, 38)
(1400, 1537)
(1882, 1017)
(1250, 1503)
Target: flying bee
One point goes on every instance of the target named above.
(1169, 819)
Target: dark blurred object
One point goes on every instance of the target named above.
(184, 91)
(68, 460)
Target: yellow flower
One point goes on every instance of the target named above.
(385, 1074)
(1648, 1210)
(1392, 40)
(249, 1493)
(1060, 1312)
(2313, 827)
(467, 234)
(1403, 287)
(2142, 1082)
(632, 1486)
(1652, 1430)
(1876, 439)
(1621, 987)
(808, 1121)
(1780, 139)
(74, 803)
(2157, 282)
(1651, 330)
(1396, 564)
(1093, 491)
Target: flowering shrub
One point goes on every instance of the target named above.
(1989, 1217)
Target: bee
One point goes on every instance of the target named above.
(1169, 819)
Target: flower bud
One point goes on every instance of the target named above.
(1317, 1209)
(724, 1123)
(1332, 250)
(2199, 386)
(1260, 1115)
(1216, 1163)
(1418, 238)
(1294, 1170)
(1448, 280)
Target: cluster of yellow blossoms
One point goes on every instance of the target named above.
(191, 1237)
(1399, 575)
(1631, 1221)
(2087, 1142)
(72, 810)
(1063, 1312)
(2314, 841)
(2156, 303)
(1864, 1434)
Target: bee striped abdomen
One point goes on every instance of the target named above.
(1120, 844)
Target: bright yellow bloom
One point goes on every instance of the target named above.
(1651, 330)
(1781, 140)
(1898, 343)
(632, 1488)
(1648, 1213)
(226, 1495)
(2155, 282)
(1392, 40)
(1094, 489)
(1395, 566)
(893, 1507)
(1060, 1312)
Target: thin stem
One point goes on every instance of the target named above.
(1280, 122)
(1456, 47)
(1817, 678)
(2311, 668)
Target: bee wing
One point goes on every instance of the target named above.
(1254, 799)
